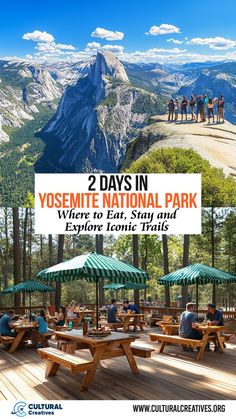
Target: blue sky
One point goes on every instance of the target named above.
(138, 31)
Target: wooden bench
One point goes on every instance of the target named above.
(61, 328)
(184, 342)
(141, 351)
(226, 337)
(153, 320)
(43, 338)
(5, 340)
(54, 358)
(114, 325)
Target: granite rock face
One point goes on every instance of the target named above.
(95, 120)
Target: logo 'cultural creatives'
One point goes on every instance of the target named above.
(21, 409)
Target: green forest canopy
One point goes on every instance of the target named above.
(218, 190)
(35, 255)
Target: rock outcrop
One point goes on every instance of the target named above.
(214, 142)
(24, 88)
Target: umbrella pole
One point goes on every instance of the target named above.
(197, 297)
(30, 306)
(96, 302)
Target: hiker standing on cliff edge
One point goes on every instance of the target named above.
(200, 108)
(221, 109)
(176, 109)
(192, 104)
(184, 107)
(171, 108)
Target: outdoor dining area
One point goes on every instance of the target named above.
(85, 351)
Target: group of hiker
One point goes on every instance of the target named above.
(201, 106)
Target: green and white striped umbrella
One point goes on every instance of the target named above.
(94, 268)
(198, 274)
(28, 286)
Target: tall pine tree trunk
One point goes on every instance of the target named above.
(24, 255)
(213, 252)
(166, 267)
(60, 254)
(50, 263)
(99, 249)
(184, 290)
(41, 263)
(135, 243)
(24, 251)
(30, 235)
(144, 262)
(6, 252)
(16, 254)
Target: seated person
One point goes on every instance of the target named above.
(188, 327)
(41, 321)
(214, 315)
(61, 318)
(111, 312)
(6, 325)
(216, 318)
(71, 310)
(127, 306)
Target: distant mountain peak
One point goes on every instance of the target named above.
(106, 64)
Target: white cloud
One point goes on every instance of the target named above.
(174, 56)
(92, 46)
(165, 50)
(47, 49)
(218, 42)
(175, 41)
(46, 45)
(107, 34)
(65, 46)
(53, 48)
(115, 49)
(163, 29)
(96, 46)
(38, 36)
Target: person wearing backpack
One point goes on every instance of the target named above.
(176, 109)
(171, 108)
(210, 110)
(192, 104)
(205, 103)
(221, 109)
(184, 107)
(200, 108)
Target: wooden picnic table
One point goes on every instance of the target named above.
(84, 313)
(131, 319)
(80, 315)
(209, 330)
(111, 346)
(168, 327)
(21, 331)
